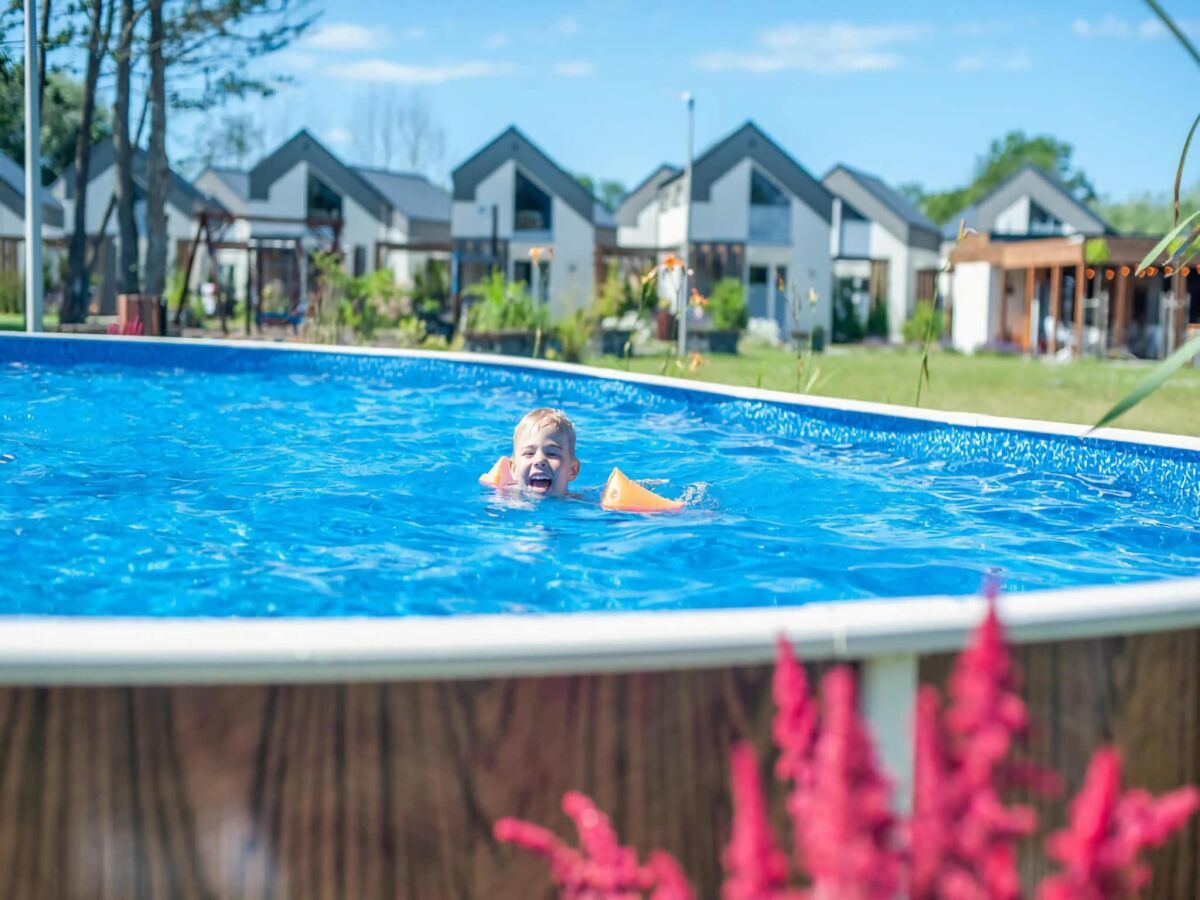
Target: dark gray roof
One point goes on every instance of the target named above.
(511, 144)
(875, 200)
(410, 193)
(303, 147)
(1044, 188)
(751, 142)
(12, 193)
(181, 194)
(636, 200)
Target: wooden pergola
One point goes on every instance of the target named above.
(1050, 257)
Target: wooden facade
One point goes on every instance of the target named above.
(389, 790)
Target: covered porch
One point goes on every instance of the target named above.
(1069, 296)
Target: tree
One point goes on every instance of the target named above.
(399, 131)
(234, 141)
(1147, 212)
(608, 192)
(75, 301)
(1004, 157)
(127, 270)
(156, 159)
(61, 119)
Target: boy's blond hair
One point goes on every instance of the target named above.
(542, 418)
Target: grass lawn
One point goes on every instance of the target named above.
(1078, 392)
(16, 321)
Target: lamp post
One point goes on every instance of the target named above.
(33, 176)
(685, 292)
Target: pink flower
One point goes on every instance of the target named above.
(1101, 848)
(755, 868)
(601, 869)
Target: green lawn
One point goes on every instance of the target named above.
(16, 321)
(1078, 392)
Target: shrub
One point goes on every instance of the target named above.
(727, 305)
(503, 306)
(877, 320)
(847, 326)
(926, 323)
(574, 333)
(12, 291)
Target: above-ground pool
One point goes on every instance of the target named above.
(262, 633)
(167, 480)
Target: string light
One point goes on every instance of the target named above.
(1108, 274)
(1125, 271)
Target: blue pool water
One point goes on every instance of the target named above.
(141, 479)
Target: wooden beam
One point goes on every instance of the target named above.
(1003, 326)
(1027, 344)
(1055, 303)
(187, 272)
(1121, 314)
(1080, 278)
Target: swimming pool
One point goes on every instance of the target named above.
(159, 479)
(262, 634)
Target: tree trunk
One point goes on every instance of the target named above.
(127, 272)
(156, 159)
(75, 303)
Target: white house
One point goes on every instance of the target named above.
(12, 215)
(184, 205)
(884, 249)
(302, 197)
(510, 198)
(756, 215)
(997, 298)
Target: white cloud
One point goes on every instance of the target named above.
(567, 26)
(575, 69)
(817, 47)
(344, 36)
(1017, 62)
(414, 33)
(383, 70)
(496, 41)
(970, 63)
(339, 137)
(1112, 26)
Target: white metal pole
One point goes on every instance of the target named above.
(685, 290)
(33, 176)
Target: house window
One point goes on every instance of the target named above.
(927, 285)
(360, 260)
(323, 201)
(1042, 222)
(531, 207)
(523, 272)
(765, 192)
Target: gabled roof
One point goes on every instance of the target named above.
(303, 147)
(639, 197)
(180, 193)
(511, 144)
(875, 200)
(751, 142)
(12, 193)
(1044, 189)
(410, 193)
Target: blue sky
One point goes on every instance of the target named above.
(911, 91)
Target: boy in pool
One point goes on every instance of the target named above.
(543, 457)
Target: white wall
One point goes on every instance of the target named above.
(810, 264)
(976, 313)
(1014, 219)
(885, 245)
(11, 224)
(725, 216)
(473, 218)
(645, 232)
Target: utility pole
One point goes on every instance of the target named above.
(685, 293)
(33, 176)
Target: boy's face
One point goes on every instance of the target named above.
(543, 461)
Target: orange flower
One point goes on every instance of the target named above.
(671, 262)
(536, 253)
(695, 361)
(698, 299)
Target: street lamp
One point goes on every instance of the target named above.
(685, 293)
(33, 176)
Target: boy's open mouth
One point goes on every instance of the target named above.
(540, 483)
